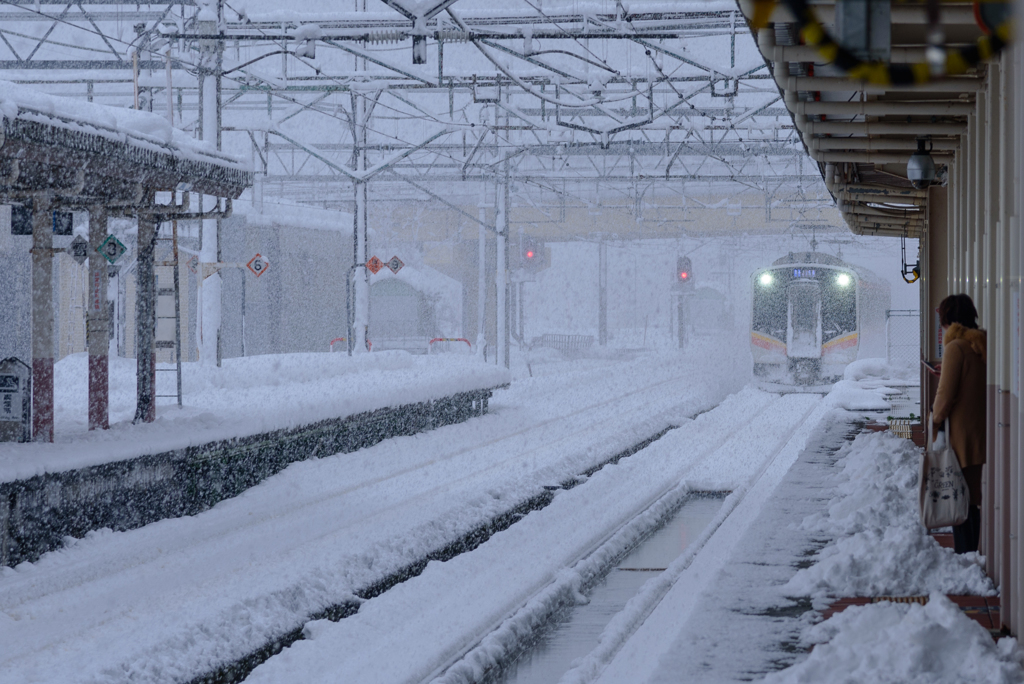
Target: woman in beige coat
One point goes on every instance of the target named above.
(961, 398)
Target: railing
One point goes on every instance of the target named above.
(369, 344)
(447, 343)
(564, 343)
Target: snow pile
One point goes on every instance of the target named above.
(910, 644)
(881, 548)
(866, 385)
(877, 368)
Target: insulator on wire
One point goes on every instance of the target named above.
(393, 36)
(453, 35)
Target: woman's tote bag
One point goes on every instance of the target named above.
(944, 497)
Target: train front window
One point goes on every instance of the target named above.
(771, 303)
(839, 307)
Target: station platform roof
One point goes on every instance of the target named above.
(86, 153)
(861, 120)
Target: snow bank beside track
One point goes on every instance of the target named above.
(247, 396)
(880, 547)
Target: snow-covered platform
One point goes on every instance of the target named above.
(841, 521)
(239, 424)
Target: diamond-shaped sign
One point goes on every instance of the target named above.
(258, 265)
(374, 264)
(193, 263)
(395, 264)
(112, 249)
(79, 249)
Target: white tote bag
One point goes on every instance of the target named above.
(944, 497)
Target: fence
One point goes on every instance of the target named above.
(443, 345)
(902, 337)
(564, 343)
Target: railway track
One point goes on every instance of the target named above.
(511, 605)
(106, 582)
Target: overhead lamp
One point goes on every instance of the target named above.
(921, 166)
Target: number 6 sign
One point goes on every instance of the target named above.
(258, 265)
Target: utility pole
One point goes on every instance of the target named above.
(481, 295)
(360, 113)
(211, 15)
(503, 202)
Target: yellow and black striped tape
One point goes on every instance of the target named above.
(881, 73)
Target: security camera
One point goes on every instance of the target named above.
(921, 166)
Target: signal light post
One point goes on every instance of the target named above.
(531, 255)
(683, 287)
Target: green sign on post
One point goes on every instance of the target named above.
(112, 249)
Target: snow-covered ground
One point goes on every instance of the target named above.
(891, 643)
(437, 616)
(245, 396)
(180, 597)
(744, 616)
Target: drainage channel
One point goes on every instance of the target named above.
(574, 631)
(239, 669)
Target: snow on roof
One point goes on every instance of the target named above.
(295, 216)
(142, 129)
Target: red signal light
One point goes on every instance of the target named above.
(684, 275)
(529, 254)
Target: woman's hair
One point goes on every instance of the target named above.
(960, 309)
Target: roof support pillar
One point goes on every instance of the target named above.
(145, 321)
(97, 323)
(42, 318)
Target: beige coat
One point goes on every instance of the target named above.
(961, 393)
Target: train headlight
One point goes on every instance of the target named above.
(843, 280)
(766, 279)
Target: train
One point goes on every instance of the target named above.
(811, 315)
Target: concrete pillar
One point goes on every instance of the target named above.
(145, 322)
(97, 323)
(481, 295)
(42, 318)
(501, 272)
(936, 265)
(210, 284)
(602, 294)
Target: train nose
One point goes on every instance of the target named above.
(803, 332)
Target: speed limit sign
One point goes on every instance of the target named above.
(258, 265)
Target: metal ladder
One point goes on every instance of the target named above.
(168, 308)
